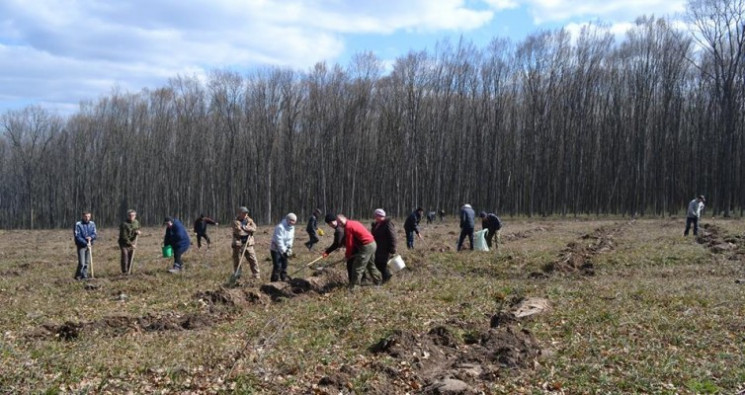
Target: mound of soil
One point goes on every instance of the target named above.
(232, 297)
(577, 256)
(440, 362)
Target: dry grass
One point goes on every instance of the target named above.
(661, 314)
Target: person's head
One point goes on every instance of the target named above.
(131, 215)
(86, 216)
(419, 211)
(317, 212)
(341, 220)
(168, 221)
(482, 214)
(242, 212)
(331, 220)
(291, 219)
(201, 216)
(701, 198)
(466, 206)
(379, 215)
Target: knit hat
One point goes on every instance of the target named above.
(466, 205)
(167, 219)
(243, 209)
(482, 214)
(379, 212)
(291, 217)
(330, 218)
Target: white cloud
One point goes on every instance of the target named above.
(610, 10)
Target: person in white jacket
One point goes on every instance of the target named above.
(281, 247)
(695, 207)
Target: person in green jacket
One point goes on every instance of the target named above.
(128, 232)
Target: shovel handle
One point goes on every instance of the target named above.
(314, 261)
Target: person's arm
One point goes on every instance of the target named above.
(278, 239)
(94, 234)
(78, 232)
(392, 233)
(250, 226)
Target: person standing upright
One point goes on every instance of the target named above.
(281, 247)
(85, 234)
(312, 229)
(200, 228)
(467, 223)
(384, 234)
(176, 237)
(128, 232)
(695, 208)
(411, 226)
(243, 242)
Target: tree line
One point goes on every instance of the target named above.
(554, 124)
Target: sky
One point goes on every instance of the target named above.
(57, 53)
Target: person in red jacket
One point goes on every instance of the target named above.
(360, 253)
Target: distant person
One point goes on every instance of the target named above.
(384, 234)
(411, 226)
(360, 253)
(243, 241)
(492, 224)
(312, 229)
(176, 237)
(200, 228)
(85, 234)
(467, 223)
(431, 215)
(338, 235)
(128, 232)
(695, 208)
(281, 246)
(442, 215)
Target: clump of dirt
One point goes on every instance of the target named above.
(438, 361)
(121, 325)
(578, 255)
(231, 297)
(526, 233)
(716, 240)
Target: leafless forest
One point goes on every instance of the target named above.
(555, 124)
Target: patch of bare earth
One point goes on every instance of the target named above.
(578, 255)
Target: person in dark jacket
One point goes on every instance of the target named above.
(176, 237)
(411, 226)
(200, 228)
(431, 215)
(312, 229)
(85, 234)
(492, 224)
(338, 235)
(467, 223)
(128, 232)
(385, 237)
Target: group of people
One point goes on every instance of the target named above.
(367, 251)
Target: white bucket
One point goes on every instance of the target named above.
(396, 263)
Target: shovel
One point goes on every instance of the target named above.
(132, 258)
(307, 265)
(234, 277)
(90, 252)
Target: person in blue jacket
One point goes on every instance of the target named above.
(411, 226)
(85, 234)
(467, 223)
(176, 237)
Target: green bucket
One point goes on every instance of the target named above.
(167, 251)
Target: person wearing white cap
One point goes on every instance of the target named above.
(695, 207)
(385, 237)
(281, 247)
(467, 223)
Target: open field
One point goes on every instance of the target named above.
(633, 307)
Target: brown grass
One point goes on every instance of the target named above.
(661, 314)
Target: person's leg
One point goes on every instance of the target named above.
(488, 239)
(199, 241)
(497, 239)
(461, 238)
(381, 262)
(124, 261)
(470, 237)
(409, 239)
(283, 268)
(207, 239)
(177, 253)
(359, 265)
(253, 262)
(368, 259)
(695, 226)
(688, 226)
(80, 271)
(276, 265)
(236, 260)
